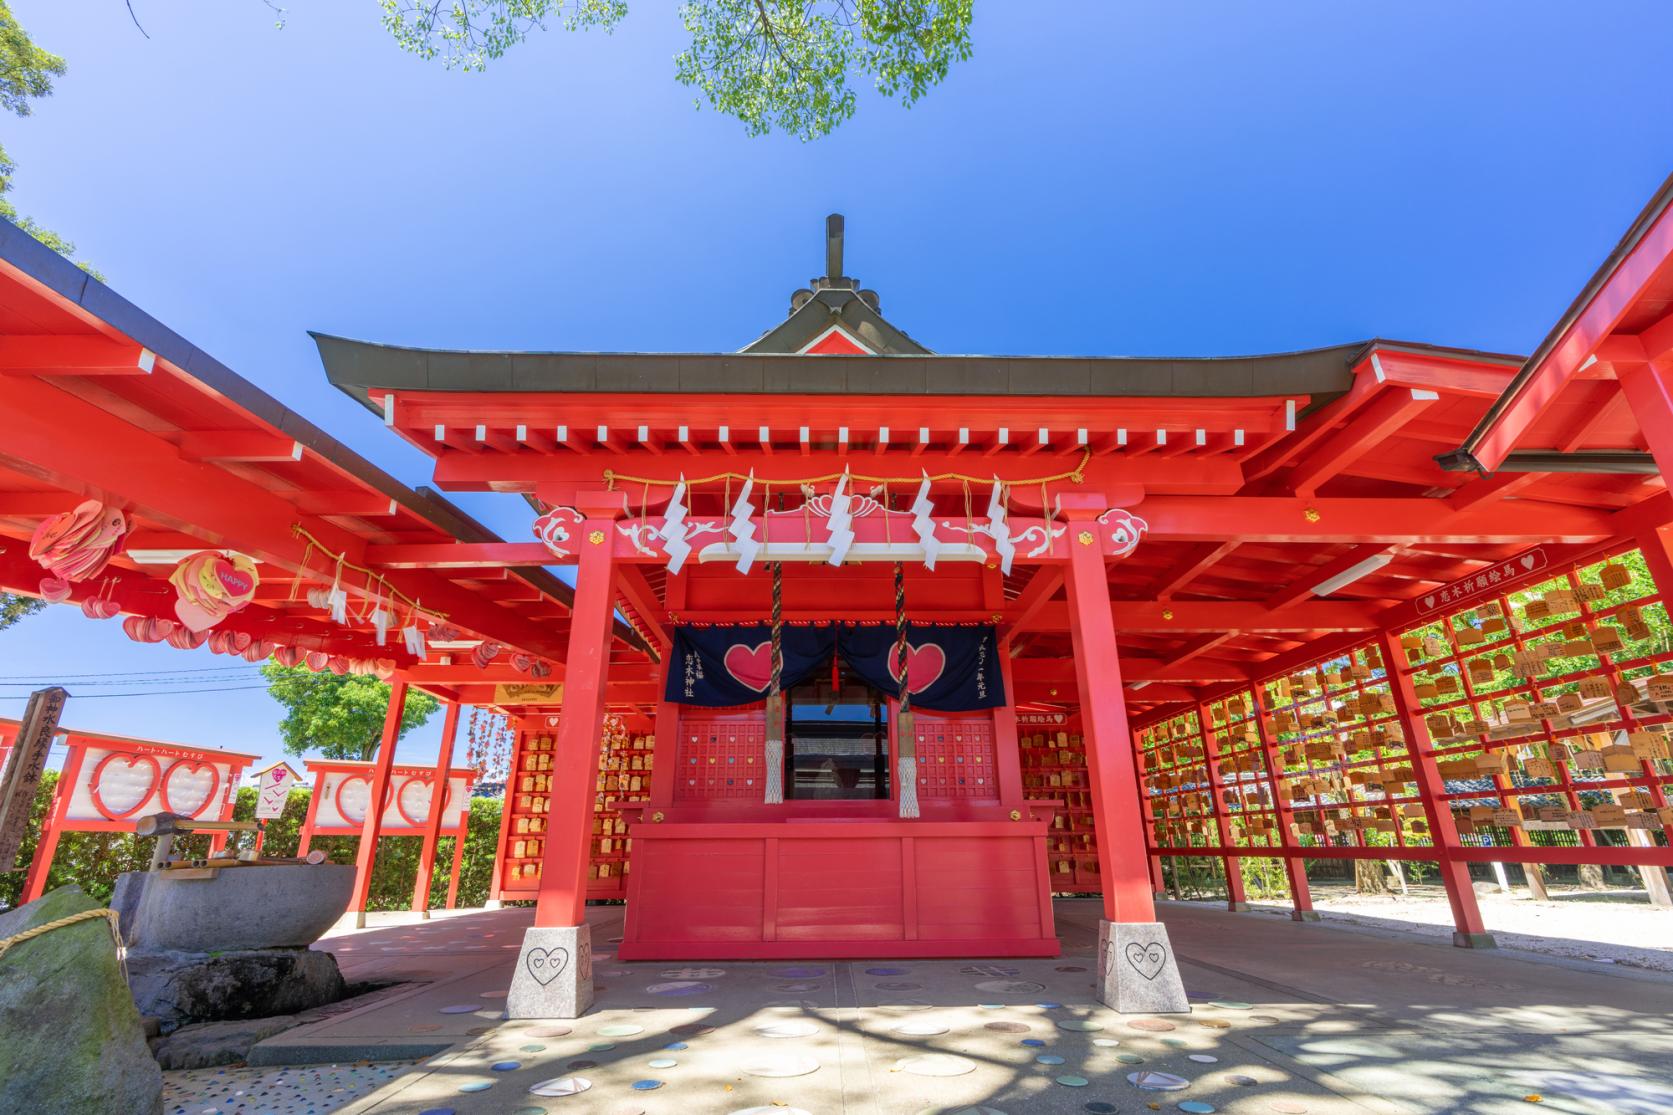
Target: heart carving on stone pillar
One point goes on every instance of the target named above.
(546, 965)
(1147, 960)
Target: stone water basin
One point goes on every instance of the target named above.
(282, 906)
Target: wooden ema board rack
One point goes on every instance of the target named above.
(1054, 769)
(624, 776)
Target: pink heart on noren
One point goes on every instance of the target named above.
(924, 665)
(752, 666)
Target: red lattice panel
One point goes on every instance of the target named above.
(956, 760)
(720, 760)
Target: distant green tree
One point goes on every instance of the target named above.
(14, 608)
(340, 717)
(773, 64)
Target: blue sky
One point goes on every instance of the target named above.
(1121, 177)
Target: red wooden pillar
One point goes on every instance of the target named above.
(562, 898)
(366, 855)
(666, 727)
(1469, 931)
(1236, 899)
(1007, 748)
(1118, 824)
(1295, 867)
(40, 866)
(306, 837)
(438, 810)
(458, 862)
(1650, 398)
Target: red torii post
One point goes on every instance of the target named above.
(1137, 968)
(553, 978)
(433, 823)
(366, 855)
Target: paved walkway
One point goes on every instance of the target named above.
(1287, 1018)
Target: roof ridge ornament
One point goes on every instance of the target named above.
(833, 278)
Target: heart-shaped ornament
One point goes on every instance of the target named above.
(413, 802)
(1527, 561)
(54, 590)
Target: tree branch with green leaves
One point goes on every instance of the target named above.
(341, 717)
(775, 65)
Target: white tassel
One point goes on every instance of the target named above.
(414, 640)
(908, 786)
(773, 793)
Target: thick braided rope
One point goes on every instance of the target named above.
(773, 789)
(109, 916)
(906, 764)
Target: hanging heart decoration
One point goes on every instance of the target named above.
(210, 586)
(522, 663)
(318, 660)
(184, 638)
(147, 629)
(485, 653)
(258, 651)
(54, 590)
(97, 607)
(338, 665)
(75, 545)
(287, 656)
(384, 668)
(540, 669)
(318, 597)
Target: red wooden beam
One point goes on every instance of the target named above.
(75, 444)
(1196, 560)
(72, 355)
(1378, 419)
(1300, 588)
(253, 446)
(1561, 358)
(1041, 587)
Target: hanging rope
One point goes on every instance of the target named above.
(906, 737)
(774, 790)
(1076, 475)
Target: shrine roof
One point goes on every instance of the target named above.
(362, 367)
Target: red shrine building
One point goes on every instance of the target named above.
(872, 650)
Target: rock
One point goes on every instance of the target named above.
(70, 1038)
(206, 1044)
(240, 908)
(185, 987)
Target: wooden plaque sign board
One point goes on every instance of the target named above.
(23, 766)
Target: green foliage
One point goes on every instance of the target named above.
(468, 34)
(787, 65)
(26, 71)
(14, 608)
(93, 860)
(340, 717)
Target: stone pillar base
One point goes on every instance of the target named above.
(1238, 907)
(1473, 941)
(554, 976)
(492, 904)
(1138, 973)
(1304, 915)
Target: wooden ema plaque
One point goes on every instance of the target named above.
(623, 778)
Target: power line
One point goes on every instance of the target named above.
(125, 674)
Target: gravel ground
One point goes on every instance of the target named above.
(1607, 927)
